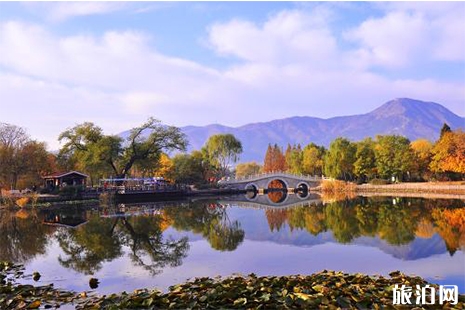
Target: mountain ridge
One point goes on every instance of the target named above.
(402, 116)
(408, 117)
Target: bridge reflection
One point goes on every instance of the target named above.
(267, 201)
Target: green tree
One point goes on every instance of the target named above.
(223, 150)
(188, 169)
(294, 160)
(365, 160)
(144, 145)
(394, 157)
(340, 158)
(247, 169)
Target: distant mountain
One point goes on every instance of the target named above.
(411, 118)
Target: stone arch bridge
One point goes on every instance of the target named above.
(262, 182)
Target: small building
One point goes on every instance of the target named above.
(61, 179)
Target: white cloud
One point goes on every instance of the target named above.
(61, 11)
(287, 37)
(391, 41)
(289, 65)
(410, 34)
(116, 60)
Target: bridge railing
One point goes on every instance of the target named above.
(274, 174)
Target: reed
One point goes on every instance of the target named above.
(335, 190)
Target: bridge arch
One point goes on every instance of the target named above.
(251, 191)
(280, 180)
(302, 190)
(251, 186)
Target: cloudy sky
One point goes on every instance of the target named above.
(116, 64)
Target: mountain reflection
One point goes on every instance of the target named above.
(153, 236)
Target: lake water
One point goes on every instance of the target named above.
(156, 245)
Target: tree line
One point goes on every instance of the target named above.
(144, 152)
(154, 149)
(387, 157)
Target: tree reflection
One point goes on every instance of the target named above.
(396, 224)
(212, 222)
(88, 246)
(22, 235)
(101, 239)
(276, 218)
(148, 247)
(397, 221)
(342, 221)
(450, 225)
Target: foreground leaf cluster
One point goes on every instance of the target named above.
(323, 290)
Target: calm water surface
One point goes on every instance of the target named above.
(159, 244)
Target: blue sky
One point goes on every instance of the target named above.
(196, 63)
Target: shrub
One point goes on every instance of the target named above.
(22, 202)
(71, 191)
(336, 186)
(334, 190)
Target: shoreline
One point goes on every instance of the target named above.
(440, 190)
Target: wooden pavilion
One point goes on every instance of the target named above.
(61, 179)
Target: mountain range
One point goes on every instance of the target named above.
(403, 116)
(407, 117)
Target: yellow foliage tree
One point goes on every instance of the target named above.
(449, 153)
(165, 167)
(422, 150)
(247, 169)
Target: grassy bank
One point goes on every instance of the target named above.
(323, 290)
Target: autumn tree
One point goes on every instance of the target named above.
(313, 159)
(21, 159)
(274, 159)
(164, 168)
(448, 154)
(422, 149)
(247, 169)
(223, 150)
(144, 144)
(287, 157)
(340, 158)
